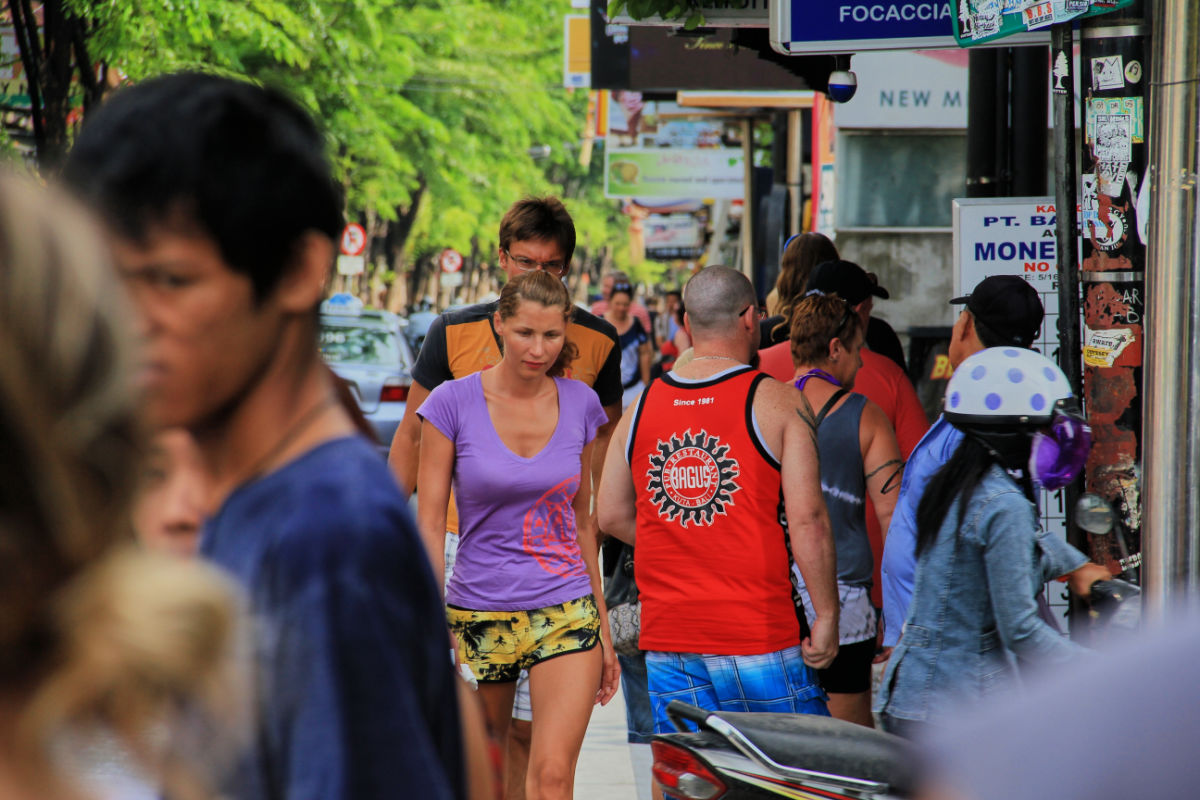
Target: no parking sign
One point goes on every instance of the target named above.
(354, 240)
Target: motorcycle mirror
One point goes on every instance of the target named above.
(1094, 514)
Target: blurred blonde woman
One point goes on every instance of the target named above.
(96, 639)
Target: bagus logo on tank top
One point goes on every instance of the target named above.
(692, 478)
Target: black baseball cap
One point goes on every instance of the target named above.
(1008, 306)
(847, 280)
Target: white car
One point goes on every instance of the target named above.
(369, 351)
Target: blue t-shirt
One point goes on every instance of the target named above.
(355, 692)
(899, 562)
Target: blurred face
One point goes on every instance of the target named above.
(204, 340)
(619, 304)
(672, 304)
(961, 336)
(863, 310)
(533, 337)
(168, 512)
(846, 359)
(521, 257)
(606, 284)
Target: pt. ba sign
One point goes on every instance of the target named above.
(849, 26)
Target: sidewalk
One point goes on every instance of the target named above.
(603, 772)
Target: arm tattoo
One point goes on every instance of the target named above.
(891, 484)
(810, 419)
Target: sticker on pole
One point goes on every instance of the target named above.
(1102, 348)
(977, 22)
(450, 260)
(354, 240)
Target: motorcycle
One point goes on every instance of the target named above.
(752, 756)
(739, 756)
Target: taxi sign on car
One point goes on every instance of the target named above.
(342, 304)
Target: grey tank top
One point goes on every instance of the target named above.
(845, 487)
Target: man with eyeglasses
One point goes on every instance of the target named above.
(536, 233)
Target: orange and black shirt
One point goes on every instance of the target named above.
(463, 342)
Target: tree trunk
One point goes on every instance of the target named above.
(52, 51)
(403, 290)
(56, 80)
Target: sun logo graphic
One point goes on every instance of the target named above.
(691, 480)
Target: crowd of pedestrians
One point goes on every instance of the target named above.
(287, 629)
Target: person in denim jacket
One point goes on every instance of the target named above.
(982, 556)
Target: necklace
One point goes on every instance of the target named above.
(298, 427)
(816, 372)
(717, 358)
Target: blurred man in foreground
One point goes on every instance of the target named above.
(223, 213)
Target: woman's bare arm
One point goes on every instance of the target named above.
(589, 546)
(433, 495)
(882, 464)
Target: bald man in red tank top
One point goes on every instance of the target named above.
(715, 467)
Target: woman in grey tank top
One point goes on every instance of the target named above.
(859, 458)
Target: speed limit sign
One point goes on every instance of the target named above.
(354, 240)
(450, 260)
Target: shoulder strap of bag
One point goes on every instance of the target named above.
(829, 404)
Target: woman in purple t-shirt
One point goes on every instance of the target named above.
(515, 442)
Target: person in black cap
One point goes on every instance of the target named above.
(1000, 310)
(882, 380)
(859, 288)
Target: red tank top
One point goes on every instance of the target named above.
(711, 559)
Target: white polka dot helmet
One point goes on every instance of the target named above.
(1005, 386)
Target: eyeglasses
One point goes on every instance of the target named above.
(844, 322)
(528, 264)
(757, 312)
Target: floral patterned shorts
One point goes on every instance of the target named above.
(497, 645)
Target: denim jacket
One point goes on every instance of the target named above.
(974, 609)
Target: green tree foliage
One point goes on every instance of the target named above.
(689, 12)
(431, 106)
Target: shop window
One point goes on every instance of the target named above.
(899, 180)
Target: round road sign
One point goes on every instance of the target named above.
(354, 240)
(450, 260)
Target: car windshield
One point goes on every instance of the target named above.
(342, 344)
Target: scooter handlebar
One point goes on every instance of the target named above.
(1115, 605)
(677, 710)
(1113, 591)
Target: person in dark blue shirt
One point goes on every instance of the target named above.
(222, 215)
(354, 697)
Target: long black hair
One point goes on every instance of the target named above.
(959, 477)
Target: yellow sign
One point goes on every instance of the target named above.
(577, 51)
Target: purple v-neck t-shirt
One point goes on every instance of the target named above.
(517, 549)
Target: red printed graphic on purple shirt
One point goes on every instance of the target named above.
(549, 531)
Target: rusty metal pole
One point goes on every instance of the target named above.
(1114, 72)
(1065, 193)
(1171, 529)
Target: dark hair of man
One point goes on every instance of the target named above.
(243, 164)
(539, 219)
(714, 297)
(989, 338)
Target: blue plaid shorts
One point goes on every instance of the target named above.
(777, 682)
